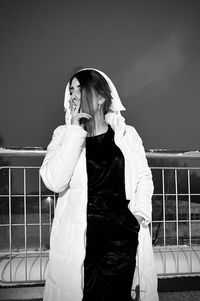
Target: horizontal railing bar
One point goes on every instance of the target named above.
(34, 224)
(154, 221)
(152, 167)
(17, 225)
(174, 220)
(180, 194)
(150, 153)
(161, 153)
(174, 167)
(23, 252)
(19, 167)
(51, 195)
(166, 275)
(23, 151)
(28, 195)
(21, 283)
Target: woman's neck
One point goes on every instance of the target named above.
(100, 126)
(100, 129)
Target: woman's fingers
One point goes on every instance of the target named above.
(76, 111)
(76, 117)
(84, 115)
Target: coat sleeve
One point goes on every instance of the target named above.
(62, 155)
(144, 188)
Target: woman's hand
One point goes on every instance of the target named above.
(139, 218)
(76, 115)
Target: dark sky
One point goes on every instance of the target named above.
(150, 49)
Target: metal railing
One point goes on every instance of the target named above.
(26, 218)
(176, 223)
(24, 229)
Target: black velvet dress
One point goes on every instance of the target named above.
(112, 230)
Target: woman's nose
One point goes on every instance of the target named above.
(75, 96)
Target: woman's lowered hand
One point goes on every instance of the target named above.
(139, 218)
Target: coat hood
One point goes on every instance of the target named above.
(113, 117)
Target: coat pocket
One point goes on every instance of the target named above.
(129, 221)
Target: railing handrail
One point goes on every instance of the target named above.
(150, 153)
(22, 151)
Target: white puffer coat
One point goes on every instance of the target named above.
(64, 171)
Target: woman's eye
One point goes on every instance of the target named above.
(72, 90)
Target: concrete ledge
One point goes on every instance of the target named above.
(21, 293)
(180, 296)
(36, 294)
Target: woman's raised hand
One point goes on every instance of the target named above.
(76, 115)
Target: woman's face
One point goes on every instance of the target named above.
(75, 99)
(75, 93)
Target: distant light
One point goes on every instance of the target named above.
(49, 199)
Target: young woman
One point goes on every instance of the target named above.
(100, 247)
